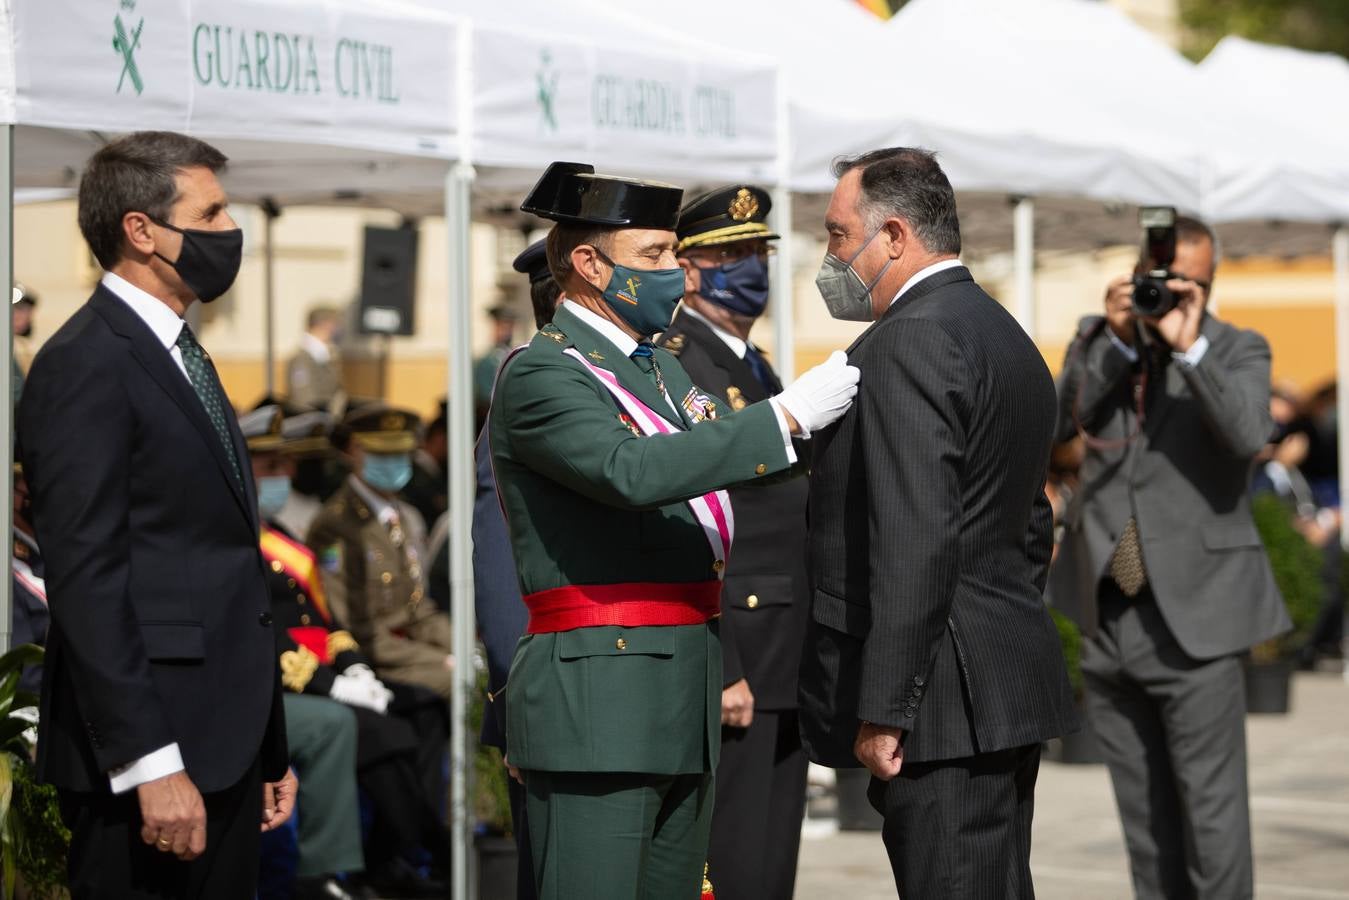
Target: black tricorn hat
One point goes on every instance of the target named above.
(733, 213)
(533, 261)
(572, 193)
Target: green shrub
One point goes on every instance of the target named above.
(1071, 641)
(1297, 572)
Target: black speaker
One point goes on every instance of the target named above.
(389, 281)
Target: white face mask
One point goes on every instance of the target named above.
(845, 294)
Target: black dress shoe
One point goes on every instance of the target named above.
(397, 880)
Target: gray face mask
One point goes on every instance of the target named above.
(845, 294)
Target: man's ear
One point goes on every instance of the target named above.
(585, 261)
(138, 232)
(897, 235)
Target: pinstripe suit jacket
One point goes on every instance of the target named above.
(930, 538)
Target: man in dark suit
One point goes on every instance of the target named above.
(162, 723)
(930, 656)
(761, 778)
(1163, 570)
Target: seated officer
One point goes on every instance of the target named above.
(609, 463)
(372, 544)
(320, 659)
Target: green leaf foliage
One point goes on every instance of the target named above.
(1297, 572)
(1321, 25)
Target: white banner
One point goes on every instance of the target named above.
(662, 110)
(313, 71)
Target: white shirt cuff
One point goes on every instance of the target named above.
(785, 430)
(164, 761)
(1129, 352)
(1196, 352)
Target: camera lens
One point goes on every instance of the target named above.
(1152, 298)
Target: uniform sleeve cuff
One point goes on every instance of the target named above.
(785, 431)
(162, 762)
(1196, 352)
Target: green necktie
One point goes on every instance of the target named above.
(212, 396)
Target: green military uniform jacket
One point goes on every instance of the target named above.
(590, 502)
(380, 591)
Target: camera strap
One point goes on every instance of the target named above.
(1138, 384)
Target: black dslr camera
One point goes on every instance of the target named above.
(1152, 298)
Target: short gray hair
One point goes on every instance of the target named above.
(908, 183)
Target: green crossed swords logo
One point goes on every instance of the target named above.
(125, 44)
(547, 78)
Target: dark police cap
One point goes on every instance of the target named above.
(533, 261)
(305, 434)
(572, 193)
(383, 429)
(734, 213)
(262, 428)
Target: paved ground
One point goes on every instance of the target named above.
(1299, 781)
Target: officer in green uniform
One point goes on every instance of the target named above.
(609, 463)
(374, 543)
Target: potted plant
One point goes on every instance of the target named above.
(33, 841)
(1078, 748)
(493, 835)
(1297, 567)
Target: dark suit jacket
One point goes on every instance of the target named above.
(930, 538)
(501, 613)
(160, 624)
(766, 595)
(1184, 479)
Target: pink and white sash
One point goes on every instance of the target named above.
(712, 510)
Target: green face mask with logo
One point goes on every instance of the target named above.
(644, 298)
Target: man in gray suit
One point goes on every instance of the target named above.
(1163, 570)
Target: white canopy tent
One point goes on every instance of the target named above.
(322, 101)
(1293, 165)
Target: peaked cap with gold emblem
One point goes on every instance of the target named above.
(262, 428)
(383, 429)
(572, 193)
(734, 213)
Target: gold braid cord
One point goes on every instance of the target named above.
(340, 642)
(297, 667)
(707, 884)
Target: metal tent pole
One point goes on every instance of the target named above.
(1023, 256)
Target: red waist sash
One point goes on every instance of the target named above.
(631, 605)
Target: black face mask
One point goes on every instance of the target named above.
(208, 261)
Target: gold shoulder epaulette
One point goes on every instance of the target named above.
(297, 668)
(340, 642)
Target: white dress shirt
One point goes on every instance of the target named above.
(315, 348)
(166, 326)
(1190, 357)
(626, 345)
(738, 346)
(923, 273)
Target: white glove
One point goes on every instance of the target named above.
(823, 394)
(355, 691)
(360, 670)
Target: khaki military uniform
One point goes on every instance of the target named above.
(312, 383)
(379, 577)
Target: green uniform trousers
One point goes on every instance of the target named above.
(618, 836)
(322, 738)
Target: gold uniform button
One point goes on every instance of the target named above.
(300, 599)
(386, 577)
(621, 644)
(304, 620)
(752, 601)
(760, 469)
(276, 565)
(290, 582)
(718, 565)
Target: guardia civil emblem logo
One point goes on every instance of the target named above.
(630, 295)
(546, 79)
(125, 41)
(744, 206)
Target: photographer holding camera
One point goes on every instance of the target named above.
(1161, 565)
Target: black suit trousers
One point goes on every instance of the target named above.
(961, 828)
(109, 861)
(756, 818)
